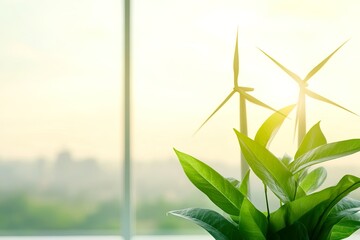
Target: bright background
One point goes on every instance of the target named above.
(61, 72)
(60, 77)
(61, 83)
(182, 68)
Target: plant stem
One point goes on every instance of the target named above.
(296, 188)
(267, 203)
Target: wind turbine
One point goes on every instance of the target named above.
(242, 91)
(304, 91)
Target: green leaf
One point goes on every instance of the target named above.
(218, 226)
(219, 190)
(346, 185)
(268, 168)
(339, 224)
(312, 210)
(324, 153)
(245, 184)
(346, 227)
(234, 182)
(321, 64)
(270, 127)
(299, 176)
(312, 139)
(286, 159)
(313, 180)
(296, 231)
(252, 222)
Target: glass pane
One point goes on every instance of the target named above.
(182, 62)
(61, 65)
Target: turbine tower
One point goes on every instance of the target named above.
(304, 91)
(243, 93)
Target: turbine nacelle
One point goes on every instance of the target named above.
(303, 84)
(242, 91)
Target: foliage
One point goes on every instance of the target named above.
(29, 215)
(36, 214)
(304, 213)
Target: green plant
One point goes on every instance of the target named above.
(303, 213)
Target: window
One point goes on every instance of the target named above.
(182, 55)
(61, 102)
(60, 105)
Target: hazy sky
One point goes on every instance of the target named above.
(183, 52)
(60, 77)
(61, 73)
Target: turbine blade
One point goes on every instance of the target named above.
(321, 64)
(260, 103)
(323, 99)
(290, 73)
(246, 89)
(236, 62)
(257, 101)
(217, 109)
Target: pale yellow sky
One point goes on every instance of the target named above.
(61, 71)
(60, 77)
(183, 70)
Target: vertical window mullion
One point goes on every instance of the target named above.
(127, 207)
